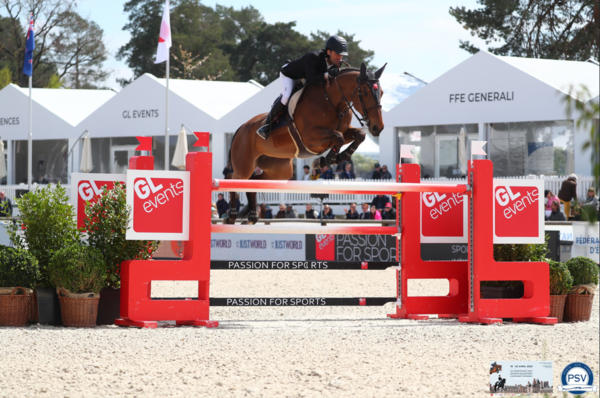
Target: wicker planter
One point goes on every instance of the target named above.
(78, 312)
(578, 307)
(557, 306)
(14, 309)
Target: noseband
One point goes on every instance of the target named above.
(364, 120)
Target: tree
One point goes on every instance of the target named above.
(552, 29)
(356, 54)
(5, 77)
(48, 14)
(78, 52)
(55, 82)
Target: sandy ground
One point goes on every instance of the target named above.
(286, 352)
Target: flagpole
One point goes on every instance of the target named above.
(29, 142)
(167, 115)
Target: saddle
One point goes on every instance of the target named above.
(287, 119)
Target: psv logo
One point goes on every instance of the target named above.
(160, 201)
(442, 214)
(516, 211)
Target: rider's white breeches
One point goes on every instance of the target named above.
(287, 85)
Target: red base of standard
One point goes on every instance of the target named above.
(137, 324)
(208, 324)
(540, 319)
(448, 316)
(414, 317)
(488, 321)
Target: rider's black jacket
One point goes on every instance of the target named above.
(311, 67)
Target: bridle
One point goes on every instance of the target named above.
(364, 120)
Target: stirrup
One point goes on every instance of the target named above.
(263, 131)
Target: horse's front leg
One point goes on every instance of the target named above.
(336, 140)
(252, 213)
(232, 214)
(357, 137)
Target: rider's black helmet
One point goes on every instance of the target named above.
(337, 44)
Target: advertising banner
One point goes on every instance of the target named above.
(160, 204)
(444, 217)
(88, 187)
(520, 377)
(585, 241)
(518, 211)
(370, 248)
(258, 247)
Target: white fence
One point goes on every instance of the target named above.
(552, 183)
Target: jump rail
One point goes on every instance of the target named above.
(316, 229)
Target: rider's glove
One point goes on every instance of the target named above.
(333, 71)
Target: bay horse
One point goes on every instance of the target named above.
(321, 121)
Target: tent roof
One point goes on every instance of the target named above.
(70, 105)
(213, 97)
(560, 74)
(396, 88)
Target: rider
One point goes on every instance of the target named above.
(316, 67)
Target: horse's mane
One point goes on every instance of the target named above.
(346, 70)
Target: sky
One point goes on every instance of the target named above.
(410, 35)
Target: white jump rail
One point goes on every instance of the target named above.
(336, 187)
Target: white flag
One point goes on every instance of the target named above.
(164, 41)
(406, 151)
(477, 148)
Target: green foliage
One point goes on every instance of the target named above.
(18, 268)
(584, 270)
(47, 225)
(233, 44)
(106, 224)
(78, 268)
(535, 28)
(55, 82)
(560, 278)
(363, 165)
(5, 77)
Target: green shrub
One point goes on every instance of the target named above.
(18, 268)
(47, 225)
(78, 268)
(106, 224)
(560, 278)
(584, 270)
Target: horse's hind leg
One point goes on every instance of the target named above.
(232, 213)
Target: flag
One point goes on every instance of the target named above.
(164, 40)
(406, 151)
(29, 47)
(477, 148)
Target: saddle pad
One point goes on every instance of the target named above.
(294, 101)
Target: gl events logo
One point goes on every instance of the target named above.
(516, 209)
(442, 214)
(158, 201)
(89, 191)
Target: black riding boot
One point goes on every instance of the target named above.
(264, 131)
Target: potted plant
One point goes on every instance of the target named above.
(79, 274)
(19, 272)
(579, 302)
(512, 253)
(47, 225)
(106, 225)
(560, 284)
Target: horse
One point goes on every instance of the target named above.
(321, 121)
(495, 368)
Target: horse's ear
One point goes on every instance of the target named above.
(380, 71)
(363, 70)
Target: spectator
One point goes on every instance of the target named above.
(227, 170)
(551, 197)
(385, 174)
(352, 214)
(326, 173)
(5, 205)
(377, 172)
(281, 212)
(388, 213)
(568, 192)
(265, 211)
(213, 212)
(379, 201)
(290, 212)
(327, 213)
(222, 205)
(315, 174)
(306, 175)
(375, 214)
(347, 174)
(310, 212)
(579, 213)
(366, 213)
(591, 199)
(557, 214)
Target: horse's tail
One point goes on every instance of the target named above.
(229, 154)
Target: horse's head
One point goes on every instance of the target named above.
(369, 94)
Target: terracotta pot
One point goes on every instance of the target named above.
(557, 306)
(578, 307)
